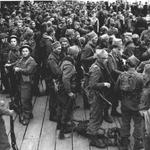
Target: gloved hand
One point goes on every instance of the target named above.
(71, 95)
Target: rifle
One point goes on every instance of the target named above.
(12, 133)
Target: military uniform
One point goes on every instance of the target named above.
(87, 56)
(98, 75)
(4, 50)
(28, 67)
(13, 57)
(115, 65)
(130, 110)
(54, 74)
(65, 102)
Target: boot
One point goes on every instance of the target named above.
(138, 144)
(53, 115)
(58, 125)
(124, 144)
(107, 117)
(61, 133)
(69, 128)
(97, 142)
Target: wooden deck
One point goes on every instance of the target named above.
(41, 134)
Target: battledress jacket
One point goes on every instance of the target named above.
(68, 71)
(131, 100)
(28, 67)
(98, 76)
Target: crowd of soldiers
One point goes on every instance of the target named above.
(86, 48)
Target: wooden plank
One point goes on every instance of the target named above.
(6, 118)
(19, 129)
(80, 142)
(33, 132)
(48, 135)
(65, 144)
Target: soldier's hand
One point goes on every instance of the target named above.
(71, 95)
(7, 65)
(17, 69)
(107, 84)
(94, 56)
(11, 112)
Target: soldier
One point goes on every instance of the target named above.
(99, 84)
(145, 105)
(130, 85)
(4, 142)
(115, 65)
(64, 44)
(66, 91)
(87, 54)
(54, 75)
(13, 57)
(26, 66)
(4, 50)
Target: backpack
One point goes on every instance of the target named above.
(128, 82)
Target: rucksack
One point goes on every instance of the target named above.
(128, 82)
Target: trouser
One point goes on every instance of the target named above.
(26, 99)
(4, 77)
(96, 116)
(65, 108)
(36, 81)
(113, 99)
(127, 115)
(4, 143)
(52, 99)
(146, 142)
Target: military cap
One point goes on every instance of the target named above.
(56, 45)
(25, 46)
(117, 42)
(3, 35)
(135, 36)
(128, 34)
(133, 61)
(63, 39)
(73, 50)
(147, 69)
(91, 35)
(69, 32)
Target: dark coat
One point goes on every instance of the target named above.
(54, 65)
(68, 71)
(28, 68)
(131, 100)
(45, 46)
(99, 74)
(87, 56)
(145, 97)
(115, 65)
(4, 50)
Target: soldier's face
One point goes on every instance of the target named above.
(64, 44)
(58, 50)
(13, 42)
(19, 24)
(4, 40)
(95, 39)
(25, 52)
